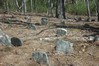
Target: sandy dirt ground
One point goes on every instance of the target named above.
(85, 53)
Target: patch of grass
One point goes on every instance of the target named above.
(80, 8)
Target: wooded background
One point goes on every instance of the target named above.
(51, 7)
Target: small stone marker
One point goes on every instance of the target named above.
(61, 32)
(27, 17)
(4, 39)
(16, 41)
(44, 21)
(96, 38)
(64, 47)
(31, 26)
(41, 58)
(91, 38)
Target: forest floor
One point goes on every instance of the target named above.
(85, 53)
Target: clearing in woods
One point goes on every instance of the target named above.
(85, 53)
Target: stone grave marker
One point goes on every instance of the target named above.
(16, 41)
(31, 26)
(64, 47)
(61, 32)
(44, 21)
(41, 58)
(5, 39)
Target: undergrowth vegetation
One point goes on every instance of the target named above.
(78, 8)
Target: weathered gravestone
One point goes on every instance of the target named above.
(41, 58)
(16, 41)
(91, 38)
(44, 21)
(27, 17)
(96, 38)
(64, 47)
(5, 39)
(61, 32)
(31, 26)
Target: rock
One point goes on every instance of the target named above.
(91, 38)
(62, 23)
(40, 57)
(96, 38)
(44, 21)
(27, 17)
(96, 41)
(4, 39)
(61, 32)
(64, 47)
(16, 41)
(31, 26)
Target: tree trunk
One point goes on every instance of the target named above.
(7, 7)
(57, 9)
(88, 10)
(74, 1)
(24, 6)
(60, 9)
(98, 9)
(31, 2)
(18, 7)
(34, 6)
(49, 4)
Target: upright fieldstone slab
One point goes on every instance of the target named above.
(41, 58)
(44, 21)
(5, 39)
(16, 41)
(31, 26)
(27, 17)
(61, 32)
(64, 47)
(91, 38)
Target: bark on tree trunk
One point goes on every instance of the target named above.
(74, 1)
(34, 6)
(49, 7)
(17, 6)
(98, 9)
(24, 10)
(60, 9)
(31, 2)
(88, 10)
(7, 7)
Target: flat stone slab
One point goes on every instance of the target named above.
(64, 47)
(16, 41)
(44, 21)
(61, 32)
(41, 58)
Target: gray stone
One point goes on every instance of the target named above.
(41, 57)
(96, 38)
(64, 47)
(5, 39)
(44, 21)
(61, 32)
(16, 41)
(91, 38)
(27, 17)
(31, 26)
